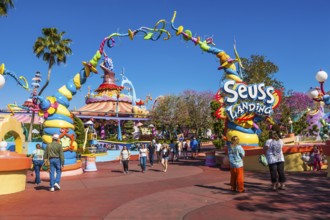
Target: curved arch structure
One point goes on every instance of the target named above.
(125, 81)
(58, 117)
(13, 165)
(10, 124)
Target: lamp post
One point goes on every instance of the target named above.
(318, 94)
(119, 136)
(321, 77)
(291, 127)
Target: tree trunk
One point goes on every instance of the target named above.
(33, 113)
(31, 128)
(48, 79)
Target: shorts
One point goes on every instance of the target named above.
(165, 158)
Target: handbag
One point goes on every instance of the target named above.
(263, 160)
(46, 161)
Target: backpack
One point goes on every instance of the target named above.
(263, 160)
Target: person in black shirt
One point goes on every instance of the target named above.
(151, 149)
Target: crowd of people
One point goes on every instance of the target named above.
(161, 153)
(53, 158)
(157, 152)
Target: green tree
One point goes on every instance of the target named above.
(300, 126)
(218, 125)
(199, 111)
(129, 129)
(164, 116)
(53, 49)
(79, 130)
(189, 111)
(4, 6)
(257, 70)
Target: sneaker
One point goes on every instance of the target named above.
(282, 187)
(57, 186)
(52, 189)
(274, 186)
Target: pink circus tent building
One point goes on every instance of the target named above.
(108, 102)
(26, 118)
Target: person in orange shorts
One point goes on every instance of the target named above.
(235, 155)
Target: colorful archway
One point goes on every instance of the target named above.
(240, 117)
(12, 125)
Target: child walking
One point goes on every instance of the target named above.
(317, 158)
(235, 155)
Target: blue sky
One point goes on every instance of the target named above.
(295, 35)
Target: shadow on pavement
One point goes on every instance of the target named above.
(306, 194)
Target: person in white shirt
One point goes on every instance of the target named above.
(38, 161)
(143, 154)
(185, 149)
(124, 158)
(275, 159)
(158, 151)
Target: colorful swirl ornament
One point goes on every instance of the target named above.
(23, 84)
(240, 117)
(58, 118)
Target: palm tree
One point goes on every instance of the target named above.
(4, 6)
(53, 49)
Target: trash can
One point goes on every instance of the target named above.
(90, 164)
(210, 158)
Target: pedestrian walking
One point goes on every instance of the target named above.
(185, 149)
(194, 147)
(317, 158)
(143, 154)
(54, 152)
(179, 155)
(124, 158)
(151, 150)
(275, 159)
(158, 151)
(235, 155)
(173, 150)
(165, 156)
(38, 161)
(176, 151)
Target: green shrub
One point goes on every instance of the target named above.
(219, 143)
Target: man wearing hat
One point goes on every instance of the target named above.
(54, 152)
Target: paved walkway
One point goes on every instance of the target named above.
(188, 190)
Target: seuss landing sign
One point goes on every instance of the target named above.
(242, 99)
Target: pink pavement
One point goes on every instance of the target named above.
(188, 190)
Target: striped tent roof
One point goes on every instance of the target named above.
(26, 118)
(104, 108)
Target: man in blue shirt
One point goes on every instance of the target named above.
(194, 147)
